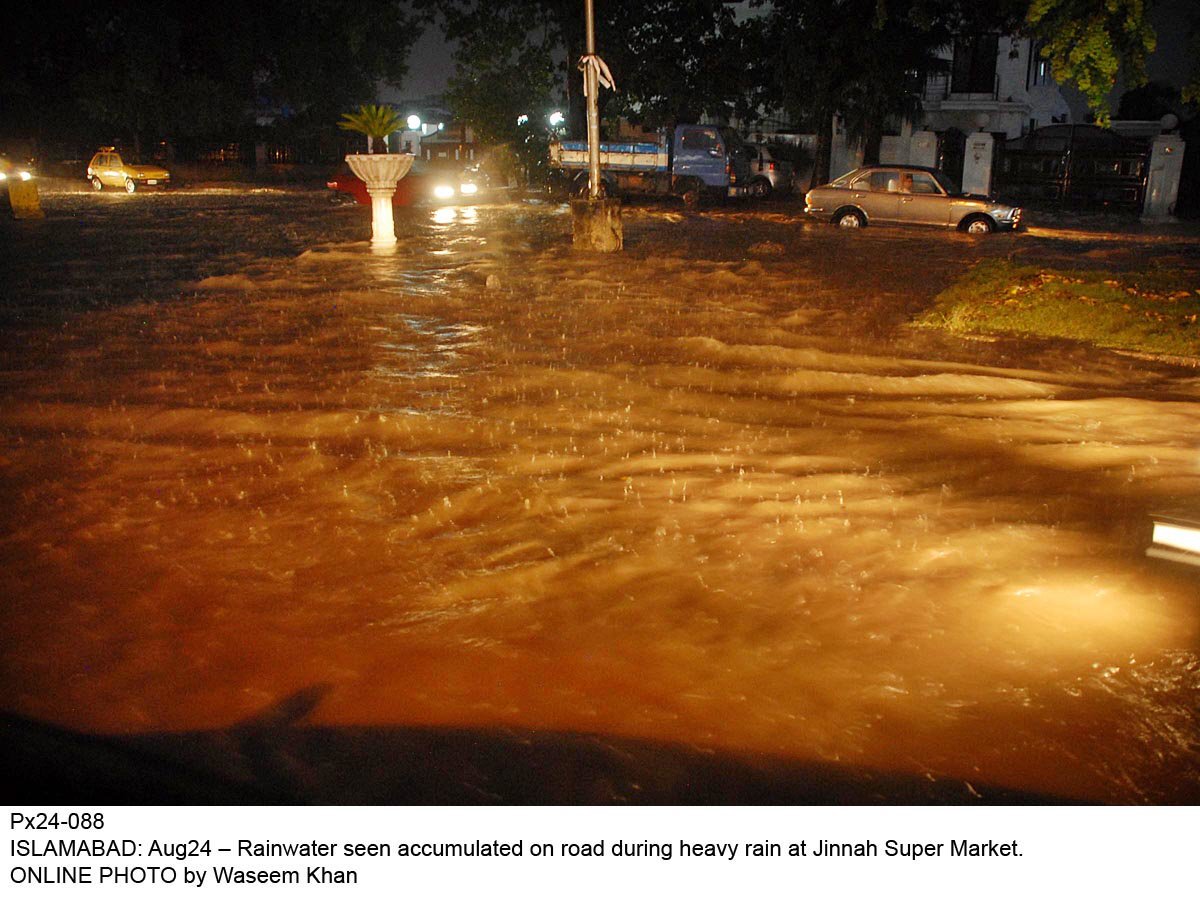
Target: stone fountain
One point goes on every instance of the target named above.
(381, 172)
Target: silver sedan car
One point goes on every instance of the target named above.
(907, 194)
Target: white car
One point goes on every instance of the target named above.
(768, 175)
(907, 194)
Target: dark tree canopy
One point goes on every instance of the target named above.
(1089, 41)
(863, 59)
(151, 69)
(505, 69)
(1150, 102)
(672, 59)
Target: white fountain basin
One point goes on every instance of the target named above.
(380, 168)
(381, 172)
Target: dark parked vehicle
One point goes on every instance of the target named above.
(15, 169)
(907, 194)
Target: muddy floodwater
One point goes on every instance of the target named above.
(711, 491)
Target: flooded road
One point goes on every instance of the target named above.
(711, 491)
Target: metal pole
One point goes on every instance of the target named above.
(593, 112)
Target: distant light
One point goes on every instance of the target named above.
(414, 122)
(1176, 539)
(443, 191)
(522, 120)
(556, 118)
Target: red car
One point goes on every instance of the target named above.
(439, 186)
(409, 189)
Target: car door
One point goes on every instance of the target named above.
(922, 200)
(700, 154)
(877, 194)
(112, 173)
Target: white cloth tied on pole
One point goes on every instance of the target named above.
(603, 75)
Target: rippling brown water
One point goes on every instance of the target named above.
(708, 491)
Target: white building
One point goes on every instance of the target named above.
(995, 83)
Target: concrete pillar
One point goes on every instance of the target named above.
(23, 198)
(893, 150)
(977, 165)
(922, 149)
(383, 224)
(1162, 184)
(843, 155)
(596, 225)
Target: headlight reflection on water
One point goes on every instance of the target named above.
(450, 214)
(1079, 613)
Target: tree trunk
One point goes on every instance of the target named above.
(872, 140)
(820, 172)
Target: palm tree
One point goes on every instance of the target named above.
(374, 121)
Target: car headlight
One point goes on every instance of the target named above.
(3, 176)
(469, 189)
(25, 176)
(443, 191)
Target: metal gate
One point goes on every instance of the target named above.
(1075, 166)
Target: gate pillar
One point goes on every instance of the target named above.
(977, 167)
(845, 154)
(923, 149)
(1162, 182)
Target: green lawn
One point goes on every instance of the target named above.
(1155, 311)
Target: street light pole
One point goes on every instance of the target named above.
(592, 77)
(595, 221)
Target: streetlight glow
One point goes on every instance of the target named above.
(414, 122)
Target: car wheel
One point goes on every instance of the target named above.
(760, 188)
(691, 194)
(979, 225)
(849, 218)
(130, 186)
(96, 185)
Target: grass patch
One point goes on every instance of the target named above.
(1155, 311)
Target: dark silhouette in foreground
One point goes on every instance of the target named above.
(270, 759)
